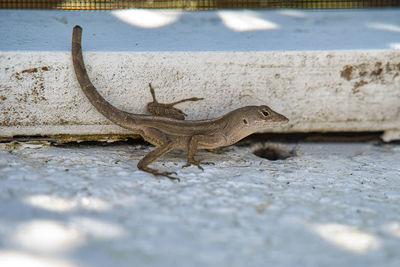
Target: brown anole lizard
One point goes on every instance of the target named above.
(167, 129)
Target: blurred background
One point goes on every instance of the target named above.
(195, 4)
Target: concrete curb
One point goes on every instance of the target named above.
(318, 90)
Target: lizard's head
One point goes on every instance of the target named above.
(252, 119)
(261, 117)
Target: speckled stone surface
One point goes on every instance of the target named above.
(331, 204)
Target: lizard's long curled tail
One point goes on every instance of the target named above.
(119, 117)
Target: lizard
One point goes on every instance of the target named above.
(173, 132)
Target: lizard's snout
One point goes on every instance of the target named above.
(280, 118)
(284, 119)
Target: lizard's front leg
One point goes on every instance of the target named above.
(203, 141)
(167, 110)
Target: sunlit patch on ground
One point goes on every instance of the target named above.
(9, 258)
(384, 27)
(55, 203)
(47, 236)
(394, 45)
(347, 237)
(245, 21)
(147, 18)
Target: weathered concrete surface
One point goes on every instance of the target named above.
(331, 205)
(317, 90)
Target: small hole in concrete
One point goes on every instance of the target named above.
(274, 152)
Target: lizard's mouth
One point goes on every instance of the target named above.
(274, 122)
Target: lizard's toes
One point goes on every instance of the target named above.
(168, 173)
(192, 162)
(186, 165)
(173, 178)
(196, 163)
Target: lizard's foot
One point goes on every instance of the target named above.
(165, 174)
(168, 175)
(197, 163)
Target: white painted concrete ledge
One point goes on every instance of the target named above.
(311, 66)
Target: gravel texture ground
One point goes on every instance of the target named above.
(327, 204)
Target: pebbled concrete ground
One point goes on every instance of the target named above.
(329, 204)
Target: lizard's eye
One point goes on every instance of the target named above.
(265, 113)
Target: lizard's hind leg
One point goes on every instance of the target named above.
(164, 145)
(167, 110)
(152, 156)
